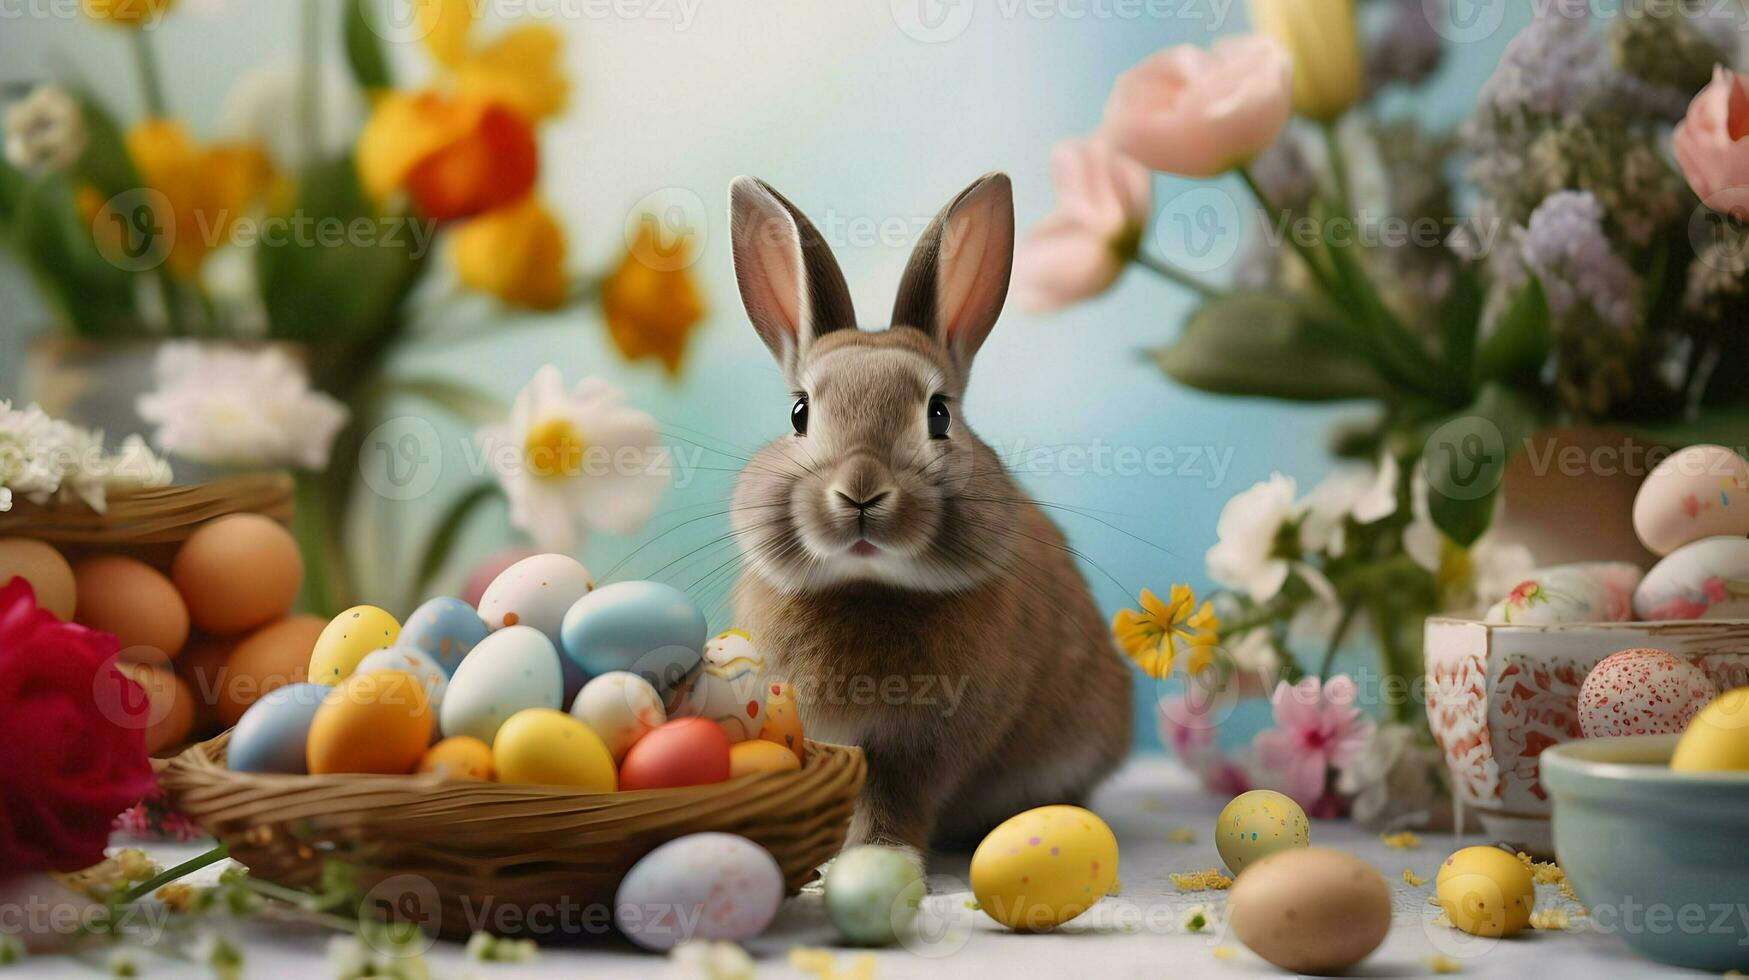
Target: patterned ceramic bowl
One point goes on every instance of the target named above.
(1497, 696)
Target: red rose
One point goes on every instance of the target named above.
(74, 732)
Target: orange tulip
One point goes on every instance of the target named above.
(456, 157)
(516, 253)
(208, 187)
(651, 306)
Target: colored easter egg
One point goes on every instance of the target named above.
(758, 755)
(1310, 910)
(1694, 493)
(274, 730)
(378, 722)
(134, 601)
(683, 752)
(1642, 692)
(647, 628)
(1717, 739)
(480, 577)
(512, 669)
(271, 657)
(446, 628)
(238, 572)
(1705, 579)
(621, 707)
(783, 722)
(728, 888)
(872, 893)
(545, 747)
(1584, 592)
(1043, 867)
(417, 662)
(1259, 823)
(49, 575)
(538, 591)
(458, 757)
(1486, 891)
(728, 686)
(346, 640)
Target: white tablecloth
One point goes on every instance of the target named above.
(1134, 934)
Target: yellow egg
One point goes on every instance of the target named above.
(758, 755)
(347, 639)
(783, 724)
(1258, 823)
(378, 722)
(458, 757)
(1718, 736)
(551, 748)
(1041, 868)
(1485, 891)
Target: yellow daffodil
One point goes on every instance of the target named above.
(1322, 39)
(456, 157)
(126, 13)
(519, 70)
(1150, 636)
(515, 253)
(208, 187)
(651, 307)
(445, 26)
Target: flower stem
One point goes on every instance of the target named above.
(1305, 251)
(162, 878)
(151, 81)
(1336, 638)
(1338, 167)
(1175, 275)
(310, 81)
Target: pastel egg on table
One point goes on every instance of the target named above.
(648, 628)
(728, 686)
(537, 592)
(446, 628)
(1698, 492)
(1706, 579)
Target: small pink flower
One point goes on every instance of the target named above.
(1318, 728)
(1200, 113)
(1078, 250)
(1712, 144)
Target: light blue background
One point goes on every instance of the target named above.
(860, 125)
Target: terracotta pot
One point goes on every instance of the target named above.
(1568, 495)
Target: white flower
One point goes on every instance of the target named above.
(574, 462)
(45, 460)
(264, 107)
(1245, 556)
(1472, 578)
(1365, 493)
(45, 133)
(1393, 779)
(229, 406)
(700, 959)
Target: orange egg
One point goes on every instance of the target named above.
(238, 572)
(49, 575)
(459, 757)
(783, 723)
(273, 656)
(202, 667)
(683, 752)
(378, 722)
(170, 715)
(759, 755)
(134, 601)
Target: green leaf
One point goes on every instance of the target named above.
(445, 534)
(105, 163)
(94, 296)
(1461, 320)
(1466, 460)
(364, 48)
(1519, 345)
(1264, 345)
(465, 402)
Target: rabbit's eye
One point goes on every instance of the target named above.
(798, 416)
(939, 419)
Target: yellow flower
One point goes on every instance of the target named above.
(445, 25)
(1322, 38)
(1150, 635)
(651, 306)
(127, 13)
(519, 70)
(515, 253)
(456, 157)
(207, 187)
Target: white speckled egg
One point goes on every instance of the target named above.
(1642, 692)
(1259, 823)
(1706, 579)
(701, 886)
(621, 707)
(873, 893)
(412, 660)
(537, 592)
(1697, 492)
(513, 669)
(1584, 592)
(728, 686)
(446, 628)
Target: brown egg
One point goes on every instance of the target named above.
(170, 717)
(1310, 909)
(273, 656)
(238, 572)
(43, 567)
(134, 601)
(202, 667)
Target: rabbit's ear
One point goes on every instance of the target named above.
(957, 280)
(790, 283)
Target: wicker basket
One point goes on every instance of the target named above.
(480, 849)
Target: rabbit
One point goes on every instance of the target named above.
(894, 573)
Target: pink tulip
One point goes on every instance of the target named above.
(1712, 144)
(1078, 250)
(1201, 113)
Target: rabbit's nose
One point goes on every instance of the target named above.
(861, 485)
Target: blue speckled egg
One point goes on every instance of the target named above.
(872, 894)
(648, 628)
(270, 736)
(701, 886)
(513, 669)
(446, 628)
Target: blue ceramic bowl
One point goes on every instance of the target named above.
(1660, 858)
